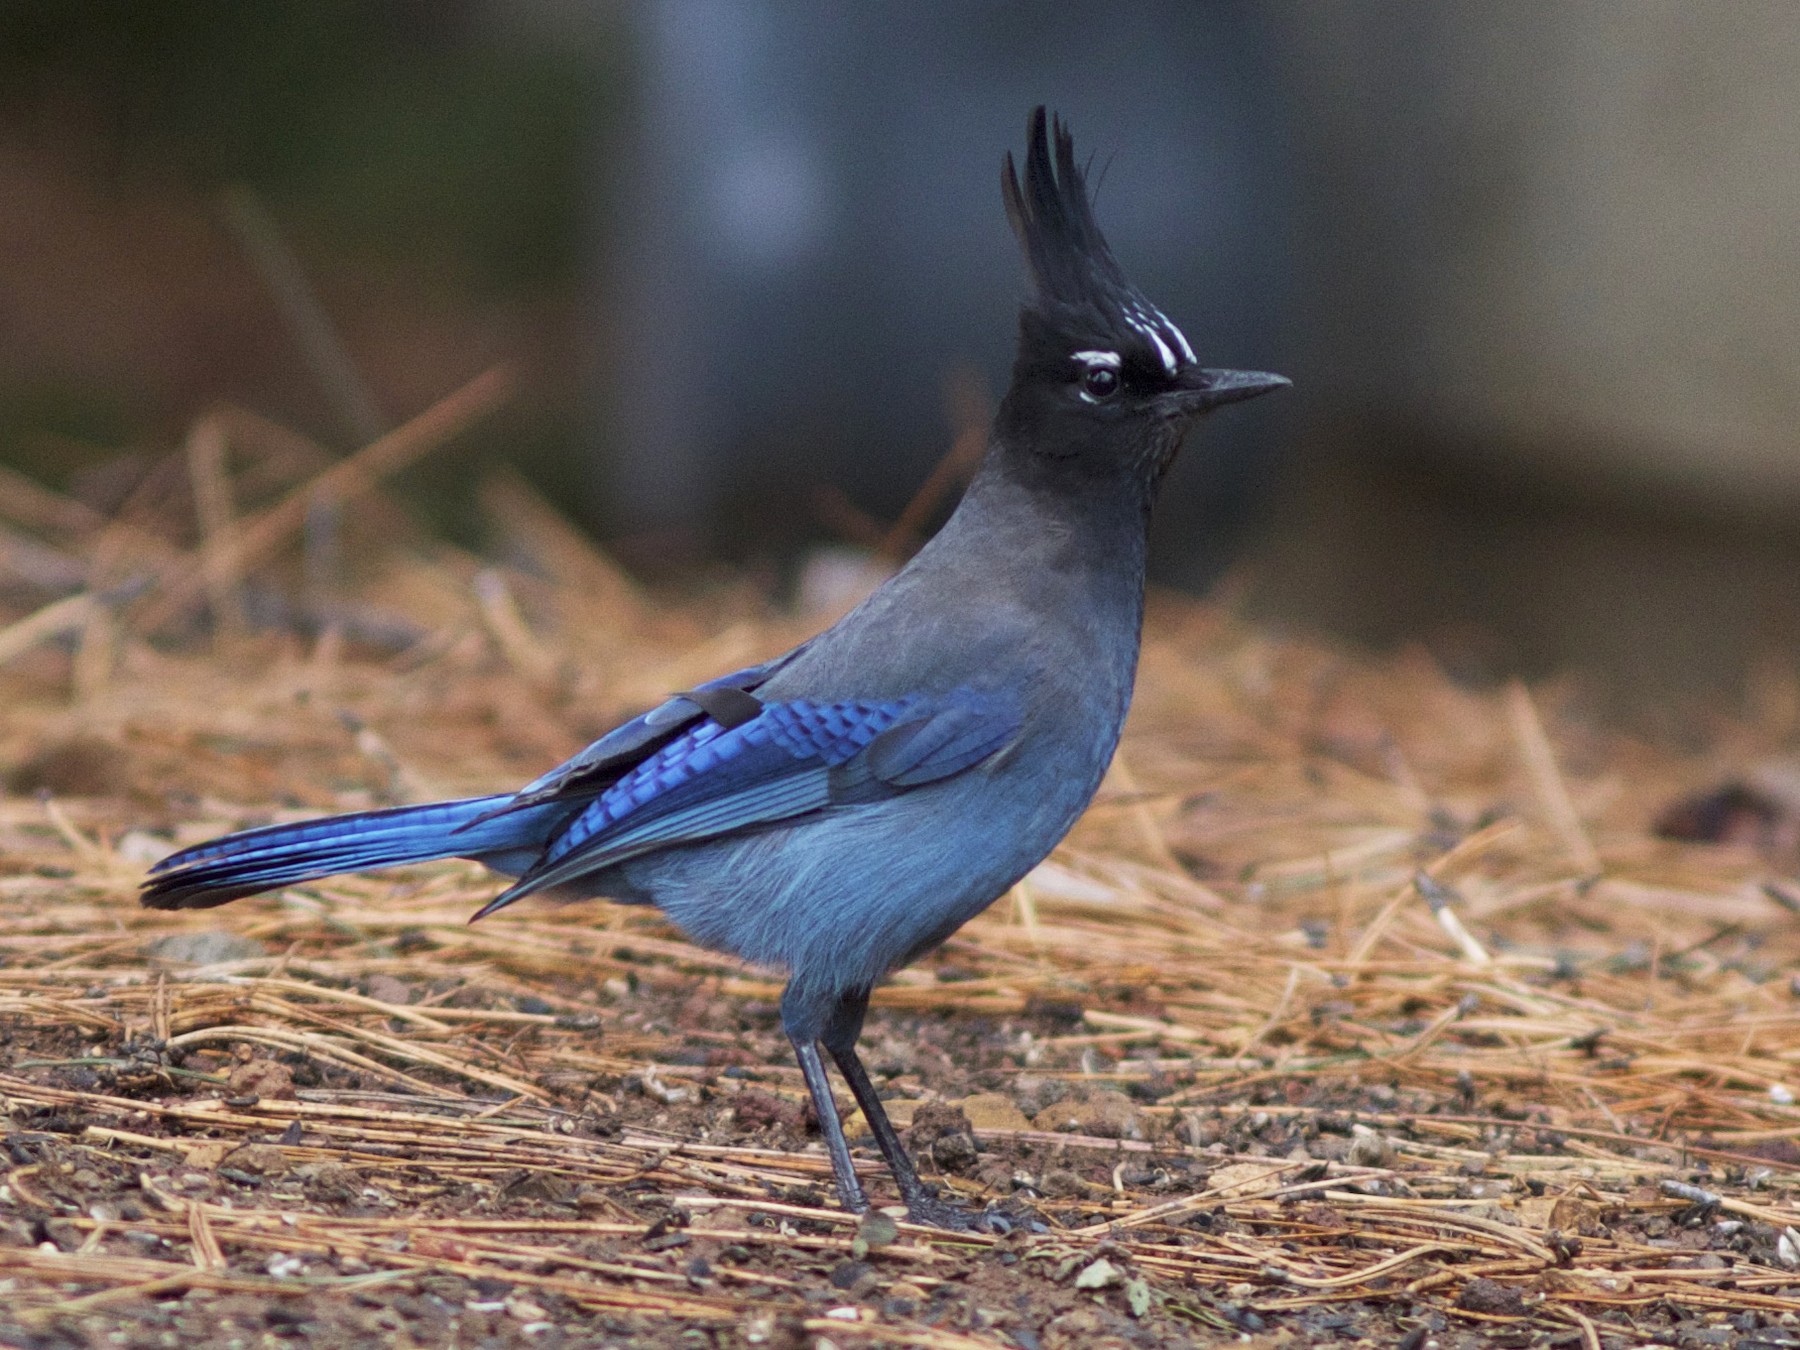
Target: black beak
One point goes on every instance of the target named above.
(1203, 390)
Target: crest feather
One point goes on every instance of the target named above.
(1054, 220)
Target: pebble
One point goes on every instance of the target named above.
(1099, 1111)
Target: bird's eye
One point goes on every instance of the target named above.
(1099, 382)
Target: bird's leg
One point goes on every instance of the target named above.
(803, 1031)
(839, 1037)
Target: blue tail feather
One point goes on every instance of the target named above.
(282, 855)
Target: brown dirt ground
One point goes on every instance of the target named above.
(1362, 1006)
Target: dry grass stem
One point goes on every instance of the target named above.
(1335, 1005)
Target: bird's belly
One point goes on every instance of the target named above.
(841, 898)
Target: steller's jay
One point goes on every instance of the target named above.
(842, 809)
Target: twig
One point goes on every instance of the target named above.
(313, 332)
(212, 505)
(970, 412)
(1439, 897)
(260, 535)
(1547, 780)
(44, 625)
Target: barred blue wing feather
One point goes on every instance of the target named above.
(596, 767)
(787, 761)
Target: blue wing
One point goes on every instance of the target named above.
(785, 761)
(614, 754)
(509, 833)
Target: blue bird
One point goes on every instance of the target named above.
(843, 809)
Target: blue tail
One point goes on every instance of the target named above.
(283, 855)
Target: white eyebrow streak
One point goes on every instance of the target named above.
(1108, 359)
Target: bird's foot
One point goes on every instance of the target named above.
(928, 1209)
(936, 1213)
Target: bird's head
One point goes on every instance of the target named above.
(1103, 380)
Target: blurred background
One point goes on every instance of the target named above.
(1535, 270)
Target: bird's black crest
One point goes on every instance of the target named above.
(1054, 221)
(1080, 285)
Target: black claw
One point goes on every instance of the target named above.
(936, 1213)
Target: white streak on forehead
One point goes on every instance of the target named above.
(1107, 359)
(1178, 335)
(1144, 326)
(1153, 324)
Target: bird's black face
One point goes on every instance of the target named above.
(1104, 381)
(1113, 398)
